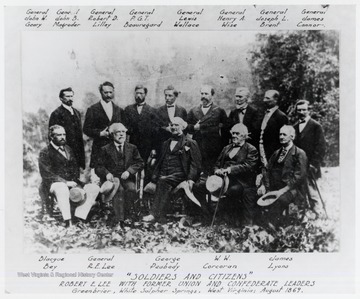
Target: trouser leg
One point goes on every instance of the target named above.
(118, 204)
(314, 198)
(92, 191)
(278, 207)
(129, 196)
(61, 192)
(249, 205)
(201, 193)
(162, 194)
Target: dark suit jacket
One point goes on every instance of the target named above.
(54, 167)
(251, 120)
(72, 125)
(312, 141)
(96, 121)
(271, 133)
(243, 166)
(108, 160)
(164, 121)
(210, 141)
(142, 128)
(190, 158)
(293, 172)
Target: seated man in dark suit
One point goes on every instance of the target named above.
(238, 161)
(60, 173)
(120, 160)
(285, 179)
(180, 160)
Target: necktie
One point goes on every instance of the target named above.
(62, 151)
(208, 106)
(120, 149)
(282, 155)
(140, 105)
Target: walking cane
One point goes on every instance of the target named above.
(318, 190)
(217, 204)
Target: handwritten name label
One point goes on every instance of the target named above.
(165, 263)
(231, 18)
(102, 18)
(312, 18)
(101, 263)
(142, 19)
(272, 18)
(188, 18)
(50, 263)
(66, 18)
(35, 18)
(279, 262)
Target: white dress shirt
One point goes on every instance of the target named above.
(58, 148)
(269, 113)
(69, 108)
(108, 107)
(303, 124)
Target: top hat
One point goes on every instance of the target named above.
(217, 186)
(77, 195)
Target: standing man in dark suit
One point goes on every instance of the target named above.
(246, 114)
(273, 120)
(69, 118)
(180, 160)
(310, 138)
(60, 173)
(142, 123)
(285, 178)
(120, 160)
(99, 117)
(166, 114)
(208, 123)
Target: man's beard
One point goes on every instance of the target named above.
(139, 100)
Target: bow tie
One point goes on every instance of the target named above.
(268, 110)
(302, 121)
(176, 138)
(235, 145)
(170, 106)
(241, 110)
(140, 105)
(208, 106)
(61, 148)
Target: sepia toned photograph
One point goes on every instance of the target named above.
(181, 142)
(180, 149)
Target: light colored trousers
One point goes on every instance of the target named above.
(61, 193)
